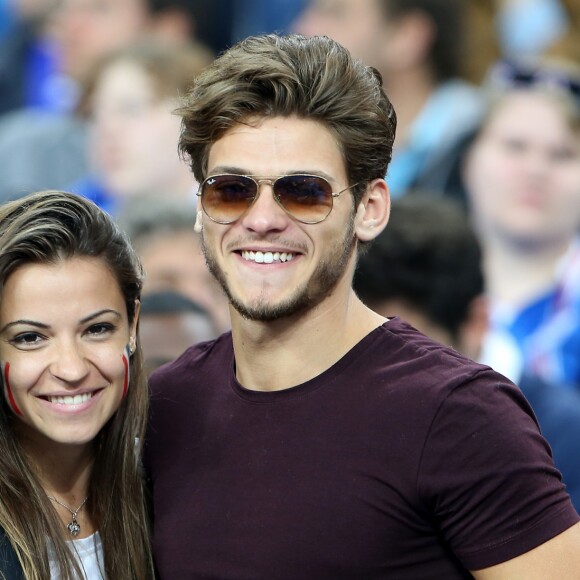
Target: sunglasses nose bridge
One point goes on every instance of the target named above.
(265, 181)
(257, 202)
(261, 181)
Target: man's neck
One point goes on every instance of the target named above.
(272, 356)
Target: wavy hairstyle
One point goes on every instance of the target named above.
(312, 78)
(48, 227)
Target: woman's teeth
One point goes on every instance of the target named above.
(267, 257)
(71, 400)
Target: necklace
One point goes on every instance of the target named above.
(74, 527)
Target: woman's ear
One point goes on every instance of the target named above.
(372, 214)
(133, 325)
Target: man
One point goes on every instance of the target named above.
(426, 267)
(318, 439)
(418, 46)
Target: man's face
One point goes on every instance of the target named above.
(523, 173)
(359, 25)
(317, 270)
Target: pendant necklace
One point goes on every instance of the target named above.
(73, 527)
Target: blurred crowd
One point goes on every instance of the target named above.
(483, 251)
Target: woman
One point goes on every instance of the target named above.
(71, 497)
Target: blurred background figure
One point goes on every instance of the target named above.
(42, 141)
(162, 233)
(529, 29)
(27, 56)
(259, 16)
(132, 147)
(169, 323)
(522, 180)
(54, 43)
(426, 267)
(418, 47)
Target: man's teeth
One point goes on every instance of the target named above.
(267, 257)
(70, 400)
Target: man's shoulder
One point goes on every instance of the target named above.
(419, 362)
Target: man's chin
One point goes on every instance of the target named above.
(268, 311)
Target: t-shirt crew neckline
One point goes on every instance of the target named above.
(324, 379)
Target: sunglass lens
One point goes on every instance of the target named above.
(226, 197)
(306, 197)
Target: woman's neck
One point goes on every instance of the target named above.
(64, 473)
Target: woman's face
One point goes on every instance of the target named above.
(523, 172)
(64, 332)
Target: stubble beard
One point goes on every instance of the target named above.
(306, 296)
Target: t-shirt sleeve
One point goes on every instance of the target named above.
(488, 477)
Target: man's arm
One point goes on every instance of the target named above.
(557, 559)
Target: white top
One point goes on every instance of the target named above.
(88, 552)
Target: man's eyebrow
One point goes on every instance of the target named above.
(225, 169)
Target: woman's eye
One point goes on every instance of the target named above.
(27, 339)
(100, 329)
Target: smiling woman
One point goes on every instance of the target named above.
(74, 394)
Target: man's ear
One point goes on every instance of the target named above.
(198, 226)
(372, 214)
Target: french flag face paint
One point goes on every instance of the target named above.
(8, 389)
(125, 358)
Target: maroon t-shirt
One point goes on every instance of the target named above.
(403, 460)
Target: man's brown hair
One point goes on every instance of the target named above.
(310, 78)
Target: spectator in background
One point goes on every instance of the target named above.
(522, 178)
(27, 56)
(260, 16)
(163, 234)
(426, 268)
(6, 17)
(41, 149)
(169, 323)
(417, 46)
(528, 28)
(130, 98)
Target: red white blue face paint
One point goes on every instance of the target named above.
(125, 358)
(7, 389)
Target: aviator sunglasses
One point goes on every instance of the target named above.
(307, 198)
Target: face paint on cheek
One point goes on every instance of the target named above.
(125, 358)
(7, 389)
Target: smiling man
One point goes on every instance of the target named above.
(319, 439)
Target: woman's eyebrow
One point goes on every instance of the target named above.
(26, 322)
